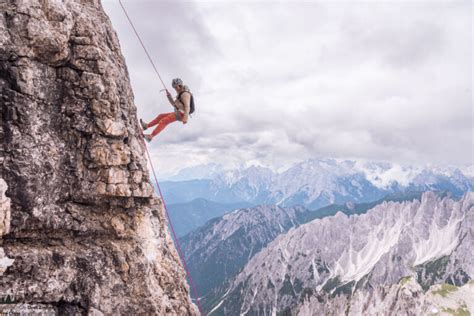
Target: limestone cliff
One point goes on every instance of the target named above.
(81, 230)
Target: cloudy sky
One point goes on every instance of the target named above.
(276, 82)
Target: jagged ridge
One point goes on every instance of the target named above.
(329, 259)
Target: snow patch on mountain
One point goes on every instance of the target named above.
(441, 240)
(467, 170)
(355, 264)
(383, 175)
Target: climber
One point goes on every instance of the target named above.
(183, 106)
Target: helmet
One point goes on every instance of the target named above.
(176, 82)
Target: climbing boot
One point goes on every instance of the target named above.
(143, 124)
(148, 137)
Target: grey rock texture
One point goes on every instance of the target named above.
(5, 262)
(84, 229)
(221, 248)
(4, 209)
(348, 264)
(403, 298)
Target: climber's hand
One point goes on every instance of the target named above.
(168, 94)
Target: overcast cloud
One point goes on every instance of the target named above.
(276, 82)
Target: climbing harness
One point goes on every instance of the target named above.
(175, 238)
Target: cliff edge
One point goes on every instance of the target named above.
(81, 231)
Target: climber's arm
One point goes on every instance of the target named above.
(186, 100)
(170, 99)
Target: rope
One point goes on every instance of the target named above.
(143, 45)
(174, 236)
(178, 246)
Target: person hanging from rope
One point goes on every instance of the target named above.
(183, 106)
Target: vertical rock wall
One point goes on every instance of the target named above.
(81, 230)
(5, 262)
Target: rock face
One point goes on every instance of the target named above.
(84, 232)
(5, 262)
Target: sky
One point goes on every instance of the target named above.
(277, 82)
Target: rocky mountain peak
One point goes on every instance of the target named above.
(80, 226)
(349, 263)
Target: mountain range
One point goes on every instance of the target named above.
(315, 183)
(218, 250)
(188, 216)
(411, 257)
(382, 227)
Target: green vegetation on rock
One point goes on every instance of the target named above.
(446, 289)
(431, 272)
(405, 280)
(461, 311)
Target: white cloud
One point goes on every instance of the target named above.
(276, 82)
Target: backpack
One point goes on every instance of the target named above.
(191, 102)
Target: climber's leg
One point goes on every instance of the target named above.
(157, 119)
(163, 122)
(166, 119)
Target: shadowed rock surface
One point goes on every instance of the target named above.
(81, 229)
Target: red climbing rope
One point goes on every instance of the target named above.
(178, 246)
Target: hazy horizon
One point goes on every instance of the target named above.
(395, 168)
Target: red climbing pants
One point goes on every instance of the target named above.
(163, 120)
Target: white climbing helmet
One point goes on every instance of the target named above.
(176, 82)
